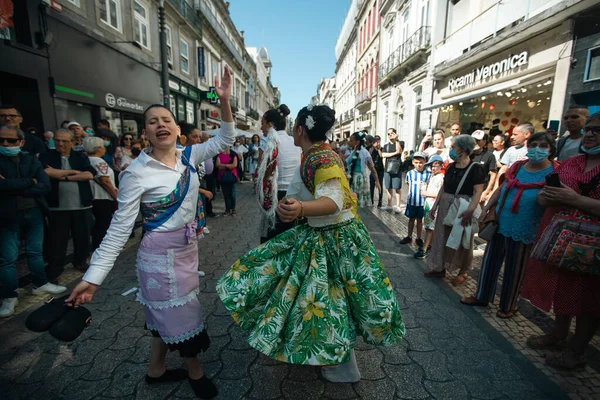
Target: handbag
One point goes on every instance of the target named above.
(453, 210)
(570, 242)
(489, 225)
(392, 166)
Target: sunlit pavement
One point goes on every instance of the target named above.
(450, 351)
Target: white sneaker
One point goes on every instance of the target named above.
(8, 307)
(385, 208)
(205, 230)
(397, 209)
(49, 288)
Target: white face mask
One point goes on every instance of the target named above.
(476, 148)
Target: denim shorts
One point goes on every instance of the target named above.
(392, 181)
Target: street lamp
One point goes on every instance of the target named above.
(164, 60)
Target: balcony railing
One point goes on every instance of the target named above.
(212, 20)
(347, 116)
(252, 113)
(420, 40)
(486, 25)
(188, 13)
(365, 94)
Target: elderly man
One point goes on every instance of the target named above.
(49, 140)
(11, 116)
(70, 202)
(79, 133)
(518, 151)
(568, 145)
(23, 185)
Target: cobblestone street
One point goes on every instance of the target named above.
(450, 351)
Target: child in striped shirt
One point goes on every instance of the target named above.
(415, 211)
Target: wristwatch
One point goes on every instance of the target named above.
(66, 177)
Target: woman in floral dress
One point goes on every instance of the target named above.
(359, 164)
(306, 294)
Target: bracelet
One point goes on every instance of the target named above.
(301, 210)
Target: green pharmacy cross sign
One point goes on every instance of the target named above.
(211, 95)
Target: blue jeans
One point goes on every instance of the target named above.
(30, 224)
(229, 195)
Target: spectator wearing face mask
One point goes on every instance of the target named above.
(136, 149)
(23, 184)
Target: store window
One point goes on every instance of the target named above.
(189, 112)
(172, 104)
(169, 46)
(110, 13)
(114, 118)
(184, 56)
(592, 69)
(141, 24)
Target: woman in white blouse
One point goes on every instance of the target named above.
(164, 184)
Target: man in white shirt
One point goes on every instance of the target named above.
(568, 145)
(518, 151)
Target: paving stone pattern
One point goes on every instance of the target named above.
(450, 352)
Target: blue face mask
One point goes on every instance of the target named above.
(453, 154)
(51, 143)
(90, 132)
(106, 143)
(594, 151)
(537, 155)
(10, 151)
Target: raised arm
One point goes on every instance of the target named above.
(226, 136)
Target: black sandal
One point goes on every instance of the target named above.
(170, 375)
(203, 387)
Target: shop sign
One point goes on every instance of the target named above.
(173, 85)
(122, 102)
(478, 75)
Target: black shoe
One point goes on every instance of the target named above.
(212, 215)
(421, 254)
(419, 242)
(170, 375)
(378, 205)
(406, 240)
(203, 387)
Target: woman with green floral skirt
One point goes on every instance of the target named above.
(307, 293)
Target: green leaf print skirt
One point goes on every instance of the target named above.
(305, 295)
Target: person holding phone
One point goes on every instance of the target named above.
(518, 217)
(570, 294)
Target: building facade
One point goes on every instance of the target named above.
(367, 64)
(345, 74)
(497, 75)
(484, 64)
(405, 78)
(87, 60)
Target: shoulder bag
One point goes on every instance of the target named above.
(453, 210)
(489, 225)
(571, 241)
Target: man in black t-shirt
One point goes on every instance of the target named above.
(487, 160)
(373, 145)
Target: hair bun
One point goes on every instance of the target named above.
(283, 109)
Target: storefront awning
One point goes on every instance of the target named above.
(476, 93)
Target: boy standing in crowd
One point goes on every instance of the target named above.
(430, 192)
(415, 180)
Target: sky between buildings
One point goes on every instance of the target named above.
(300, 36)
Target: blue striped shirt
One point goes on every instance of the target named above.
(415, 181)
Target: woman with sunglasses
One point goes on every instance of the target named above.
(122, 151)
(569, 293)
